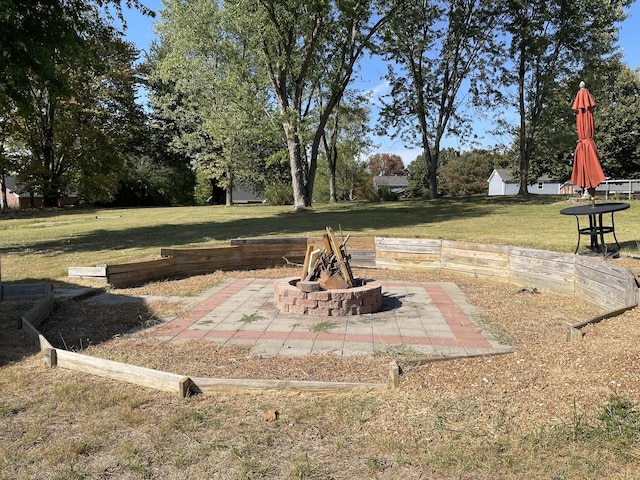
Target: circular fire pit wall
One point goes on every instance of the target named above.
(306, 298)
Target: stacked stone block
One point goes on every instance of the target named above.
(309, 300)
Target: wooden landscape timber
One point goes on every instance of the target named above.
(25, 291)
(215, 385)
(482, 260)
(131, 274)
(399, 253)
(98, 272)
(196, 261)
(142, 376)
(537, 268)
(271, 252)
(41, 311)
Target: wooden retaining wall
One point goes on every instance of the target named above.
(591, 279)
(166, 381)
(270, 252)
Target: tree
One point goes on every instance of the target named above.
(75, 130)
(155, 174)
(618, 124)
(305, 46)
(548, 42)
(386, 164)
(346, 135)
(418, 186)
(467, 173)
(436, 47)
(69, 85)
(208, 83)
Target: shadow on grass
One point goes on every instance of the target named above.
(76, 324)
(14, 343)
(354, 218)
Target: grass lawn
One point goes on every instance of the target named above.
(552, 410)
(42, 246)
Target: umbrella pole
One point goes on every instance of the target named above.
(592, 194)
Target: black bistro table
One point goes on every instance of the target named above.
(596, 228)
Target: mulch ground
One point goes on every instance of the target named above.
(541, 381)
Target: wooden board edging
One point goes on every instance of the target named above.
(147, 377)
(41, 311)
(216, 385)
(574, 331)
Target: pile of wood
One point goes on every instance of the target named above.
(328, 264)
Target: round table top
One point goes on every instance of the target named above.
(595, 209)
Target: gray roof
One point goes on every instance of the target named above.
(391, 181)
(10, 181)
(507, 177)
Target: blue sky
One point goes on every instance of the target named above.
(140, 32)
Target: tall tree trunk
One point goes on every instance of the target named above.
(331, 149)
(50, 190)
(299, 171)
(524, 156)
(4, 192)
(229, 190)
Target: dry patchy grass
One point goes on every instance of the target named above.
(536, 413)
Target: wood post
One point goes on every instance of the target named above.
(50, 357)
(394, 375)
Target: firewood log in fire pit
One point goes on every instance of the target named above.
(329, 264)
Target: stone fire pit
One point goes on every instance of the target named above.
(307, 298)
(326, 287)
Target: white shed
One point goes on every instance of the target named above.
(501, 182)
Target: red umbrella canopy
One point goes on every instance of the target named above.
(587, 171)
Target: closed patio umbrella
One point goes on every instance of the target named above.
(587, 171)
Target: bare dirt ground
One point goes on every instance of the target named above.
(518, 415)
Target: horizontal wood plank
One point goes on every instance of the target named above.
(554, 272)
(362, 258)
(31, 331)
(475, 247)
(41, 311)
(484, 262)
(140, 266)
(100, 271)
(270, 241)
(145, 377)
(126, 279)
(408, 245)
(215, 385)
(24, 291)
(410, 257)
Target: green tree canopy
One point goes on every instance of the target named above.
(435, 49)
(305, 47)
(548, 41)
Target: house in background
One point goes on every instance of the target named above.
(241, 194)
(501, 182)
(395, 183)
(245, 194)
(18, 198)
